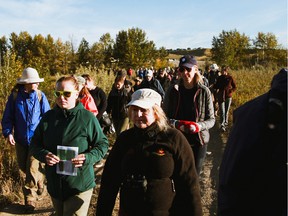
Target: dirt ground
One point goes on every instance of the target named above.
(208, 183)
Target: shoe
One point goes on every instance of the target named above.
(29, 207)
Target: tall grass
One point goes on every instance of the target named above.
(250, 84)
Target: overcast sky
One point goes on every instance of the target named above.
(170, 24)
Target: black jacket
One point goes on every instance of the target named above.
(155, 173)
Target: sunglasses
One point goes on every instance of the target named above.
(66, 94)
(183, 69)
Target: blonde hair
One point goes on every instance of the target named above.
(161, 119)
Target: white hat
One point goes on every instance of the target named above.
(149, 73)
(81, 80)
(29, 75)
(214, 67)
(145, 98)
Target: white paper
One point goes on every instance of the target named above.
(65, 166)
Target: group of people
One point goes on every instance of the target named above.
(161, 141)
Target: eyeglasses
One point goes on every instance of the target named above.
(66, 94)
(182, 69)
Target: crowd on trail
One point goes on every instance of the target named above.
(161, 120)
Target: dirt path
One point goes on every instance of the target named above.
(208, 183)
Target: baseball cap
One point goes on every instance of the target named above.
(145, 98)
(188, 61)
(149, 73)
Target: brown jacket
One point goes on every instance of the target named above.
(226, 86)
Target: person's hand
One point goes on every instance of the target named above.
(187, 126)
(79, 160)
(51, 159)
(10, 140)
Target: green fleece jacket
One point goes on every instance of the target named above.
(76, 127)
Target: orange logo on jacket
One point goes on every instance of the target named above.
(159, 152)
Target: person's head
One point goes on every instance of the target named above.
(225, 69)
(119, 82)
(66, 92)
(81, 81)
(138, 80)
(121, 73)
(30, 79)
(149, 74)
(214, 67)
(188, 70)
(89, 81)
(162, 72)
(145, 109)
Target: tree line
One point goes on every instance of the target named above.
(132, 49)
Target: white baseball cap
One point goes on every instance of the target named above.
(145, 98)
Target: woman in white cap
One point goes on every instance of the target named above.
(151, 164)
(24, 109)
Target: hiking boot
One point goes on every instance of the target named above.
(30, 206)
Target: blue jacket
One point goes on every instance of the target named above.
(22, 114)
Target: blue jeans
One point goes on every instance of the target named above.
(224, 111)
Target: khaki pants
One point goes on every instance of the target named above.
(77, 205)
(31, 172)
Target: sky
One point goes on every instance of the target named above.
(168, 23)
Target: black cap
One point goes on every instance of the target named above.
(188, 61)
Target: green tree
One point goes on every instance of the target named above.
(266, 46)
(101, 52)
(83, 53)
(21, 46)
(132, 49)
(230, 48)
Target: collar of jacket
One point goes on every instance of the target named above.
(148, 133)
(70, 112)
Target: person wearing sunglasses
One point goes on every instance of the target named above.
(189, 106)
(71, 127)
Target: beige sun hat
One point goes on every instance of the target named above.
(29, 75)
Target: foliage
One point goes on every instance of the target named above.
(251, 83)
(230, 48)
(235, 49)
(132, 49)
